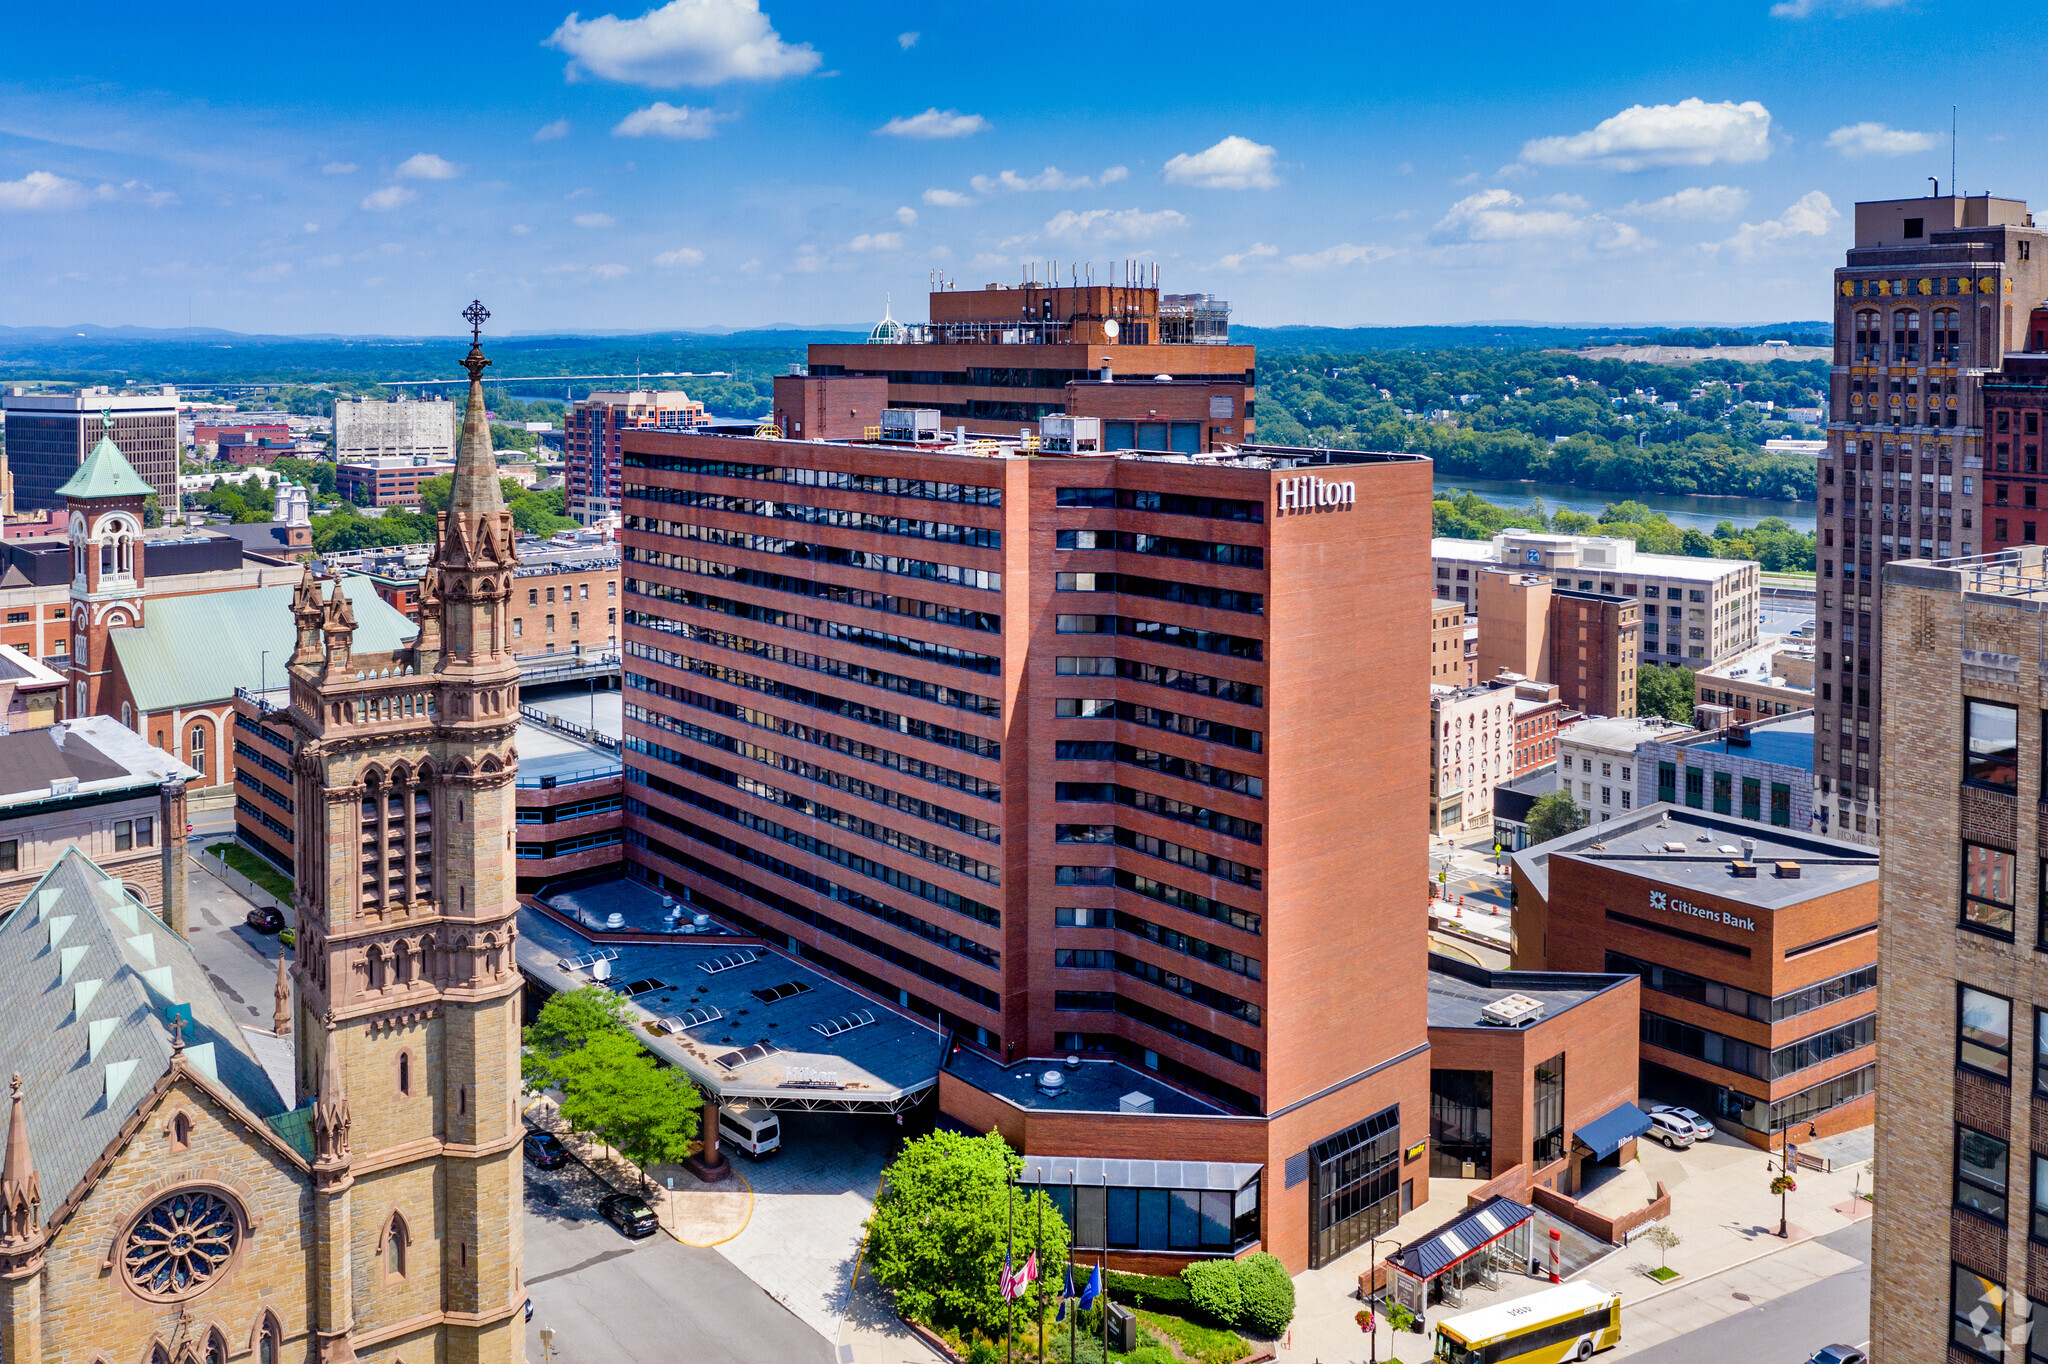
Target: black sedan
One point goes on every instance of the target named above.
(545, 1150)
(264, 919)
(629, 1214)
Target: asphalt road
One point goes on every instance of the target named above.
(1784, 1330)
(653, 1301)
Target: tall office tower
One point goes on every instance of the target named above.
(590, 443)
(364, 428)
(999, 358)
(49, 436)
(1112, 756)
(1962, 1059)
(1931, 297)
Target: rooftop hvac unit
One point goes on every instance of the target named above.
(1136, 1102)
(1512, 1011)
(910, 423)
(1063, 435)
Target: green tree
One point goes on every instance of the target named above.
(943, 1222)
(152, 511)
(566, 1024)
(540, 513)
(582, 1043)
(1665, 690)
(1554, 815)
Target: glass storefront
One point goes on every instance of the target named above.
(1461, 1124)
(1354, 1186)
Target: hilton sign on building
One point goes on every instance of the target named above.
(1757, 949)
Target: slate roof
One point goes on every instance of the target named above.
(98, 751)
(91, 973)
(105, 473)
(195, 650)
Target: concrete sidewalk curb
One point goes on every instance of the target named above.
(1688, 1280)
(240, 884)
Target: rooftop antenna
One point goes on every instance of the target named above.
(1951, 149)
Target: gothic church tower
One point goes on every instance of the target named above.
(407, 1011)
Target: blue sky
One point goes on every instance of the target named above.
(368, 168)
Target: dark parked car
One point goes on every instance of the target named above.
(545, 1150)
(264, 919)
(631, 1216)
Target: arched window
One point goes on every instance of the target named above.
(405, 1072)
(216, 1349)
(127, 715)
(195, 748)
(181, 1132)
(268, 1337)
(1869, 336)
(396, 1236)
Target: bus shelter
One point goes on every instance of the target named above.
(1469, 1251)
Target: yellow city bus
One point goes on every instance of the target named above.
(1544, 1328)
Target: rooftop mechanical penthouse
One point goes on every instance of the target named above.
(1117, 756)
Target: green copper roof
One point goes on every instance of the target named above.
(105, 473)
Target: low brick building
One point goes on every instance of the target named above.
(1180, 415)
(1761, 771)
(1757, 948)
(1447, 667)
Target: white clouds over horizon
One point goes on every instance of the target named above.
(1805, 9)
(934, 124)
(1813, 215)
(681, 256)
(1342, 254)
(1114, 225)
(1234, 163)
(1876, 139)
(876, 241)
(1500, 216)
(1712, 204)
(390, 197)
(40, 190)
(685, 42)
(427, 166)
(676, 122)
(947, 198)
(548, 132)
(1691, 132)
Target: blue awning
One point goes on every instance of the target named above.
(1612, 1130)
(1470, 1231)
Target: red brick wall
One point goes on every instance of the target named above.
(839, 407)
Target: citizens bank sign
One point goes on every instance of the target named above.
(1661, 900)
(1309, 493)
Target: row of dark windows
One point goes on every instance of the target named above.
(1732, 999)
(1126, 922)
(1102, 959)
(1185, 900)
(1110, 1002)
(858, 711)
(1208, 864)
(1133, 712)
(1168, 504)
(832, 556)
(1177, 679)
(870, 523)
(796, 658)
(1163, 589)
(883, 641)
(960, 617)
(1109, 793)
(1746, 1058)
(1164, 546)
(1166, 764)
(973, 494)
(1159, 632)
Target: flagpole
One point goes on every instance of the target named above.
(1102, 1265)
(1038, 1253)
(1073, 1238)
(1009, 1302)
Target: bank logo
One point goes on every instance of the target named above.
(1657, 900)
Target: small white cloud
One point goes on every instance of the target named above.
(1114, 225)
(339, 168)
(906, 41)
(583, 192)
(1801, 9)
(588, 272)
(907, 216)
(40, 190)
(947, 198)
(934, 123)
(1342, 254)
(310, 228)
(1113, 174)
(685, 42)
(1691, 132)
(427, 166)
(1236, 260)
(594, 220)
(270, 274)
(662, 119)
(1711, 204)
(682, 255)
(1812, 216)
(389, 197)
(1500, 215)
(1875, 139)
(520, 229)
(1234, 163)
(876, 241)
(548, 132)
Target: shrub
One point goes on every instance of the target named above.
(1215, 1288)
(1268, 1295)
(982, 1352)
(1156, 1291)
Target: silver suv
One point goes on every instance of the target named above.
(1674, 1131)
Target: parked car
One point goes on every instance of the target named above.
(264, 919)
(630, 1215)
(1702, 1130)
(1674, 1131)
(1839, 1354)
(545, 1150)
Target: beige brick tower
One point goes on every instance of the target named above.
(407, 998)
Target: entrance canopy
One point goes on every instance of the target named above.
(1612, 1130)
(1462, 1237)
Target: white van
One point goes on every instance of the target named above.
(753, 1130)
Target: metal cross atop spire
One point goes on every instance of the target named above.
(476, 314)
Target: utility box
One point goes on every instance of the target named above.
(1123, 1328)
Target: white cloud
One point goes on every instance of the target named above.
(947, 198)
(1113, 175)
(1801, 9)
(310, 228)
(1234, 163)
(934, 123)
(906, 41)
(325, 262)
(1500, 215)
(1875, 139)
(1691, 132)
(876, 241)
(1713, 204)
(40, 190)
(588, 272)
(427, 166)
(548, 132)
(907, 216)
(1114, 224)
(270, 274)
(594, 220)
(520, 229)
(1812, 216)
(1236, 260)
(390, 197)
(580, 192)
(339, 168)
(685, 42)
(1344, 253)
(682, 255)
(662, 119)
(1052, 177)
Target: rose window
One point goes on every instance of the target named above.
(181, 1244)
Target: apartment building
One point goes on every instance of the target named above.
(1695, 611)
(1593, 642)
(1928, 303)
(387, 480)
(1597, 761)
(367, 429)
(49, 436)
(1471, 747)
(1771, 679)
(565, 601)
(1539, 706)
(1760, 771)
(1962, 1094)
(1072, 755)
(591, 430)
(2015, 410)
(1447, 645)
(1000, 358)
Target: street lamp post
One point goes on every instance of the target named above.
(1785, 1149)
(1373, 1271)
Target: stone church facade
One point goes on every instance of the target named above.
(180, 1189)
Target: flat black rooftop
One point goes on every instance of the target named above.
(1459, 991)
(1097, 1085)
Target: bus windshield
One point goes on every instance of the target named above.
(1449, 1351)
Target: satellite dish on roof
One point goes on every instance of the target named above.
(1110, 329)
(600, 970)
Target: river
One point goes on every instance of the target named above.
(1683, 509)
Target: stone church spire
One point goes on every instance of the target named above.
(476, 491)
(21, 1189)
(474, 555)
(330, 1110)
